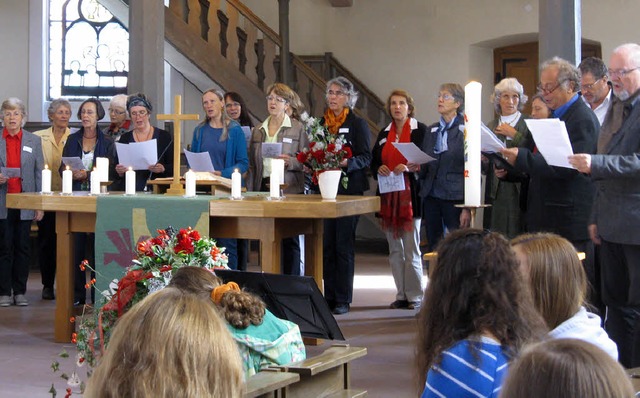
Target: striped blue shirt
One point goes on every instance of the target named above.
(465, 373)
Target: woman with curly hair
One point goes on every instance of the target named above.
(476, 316)
(263, 339)
(170, 344)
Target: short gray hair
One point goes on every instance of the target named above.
(55, 105)
(15, 103)
(508, 84)
(633, 51)
(347, 87)
(567, 72)
(120, 101)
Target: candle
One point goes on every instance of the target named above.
(274, 184)
(472, 168)
(190, 183)
(102, 165)
(46, 179)
(67, 181)
(236, 184)
(278, 166)
(130, 182)
(95, 181)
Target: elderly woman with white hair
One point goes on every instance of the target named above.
(22, 162)
(340, 233)
(504, 189)
(53, 140)
(119, 117)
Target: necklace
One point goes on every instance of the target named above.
(511, 120)
(146, 137)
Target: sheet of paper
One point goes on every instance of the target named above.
(488, 140)
(247, 133)
(391, 183)
(10, 172)
(138, 155)
(74, 163)
(412, 153)
(552, 140)
(199, 161)
(271, 149)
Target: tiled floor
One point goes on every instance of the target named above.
(27, 348)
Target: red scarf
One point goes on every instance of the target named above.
(395, 207)
(334, 122)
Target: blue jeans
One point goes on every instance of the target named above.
(438, 216)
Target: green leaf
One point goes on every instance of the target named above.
(53, 391)
(55, 366)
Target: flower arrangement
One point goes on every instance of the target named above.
(156, 261)
(325, 152)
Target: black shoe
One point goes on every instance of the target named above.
(399, 304)
(341, 308)
(414, 305)
(331, 304)
(47, 293)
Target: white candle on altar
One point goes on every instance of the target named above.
(190, 184)
(130, 182)
(95, 181)
(278, 166)
(236, 184)
(46, 180)
(472, 167)
(274, 184)
(67, 181)
(102, 165)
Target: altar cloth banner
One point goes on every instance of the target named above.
(123, 221)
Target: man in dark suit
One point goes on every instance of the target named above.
(615, 220)
(559, 199)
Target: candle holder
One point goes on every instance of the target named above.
(236, 198)
(66, 194)
(103, 187)
(45, 193)
(472, 210)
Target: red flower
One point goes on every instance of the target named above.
(302, 157)
(145, 248)
(331, 147)
(348, 153)
(165, 268)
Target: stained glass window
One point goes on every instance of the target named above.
(88, 51)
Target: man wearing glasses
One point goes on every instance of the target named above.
(559, 199)
(615, 220)
(594, 86)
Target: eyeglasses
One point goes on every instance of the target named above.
(336, 93)
(116, 112)
(620, 72)
(235, 104)
(445, 97)
(139, 114)
(276, 98)
(548, 89)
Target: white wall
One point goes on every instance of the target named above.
(418, 44)
(14, 51)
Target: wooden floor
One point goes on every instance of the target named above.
(27, 348)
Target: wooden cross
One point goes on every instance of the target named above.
(176, 187)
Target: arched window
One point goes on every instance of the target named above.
(88, 51)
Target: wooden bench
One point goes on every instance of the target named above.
(327, 375)
(270, 383)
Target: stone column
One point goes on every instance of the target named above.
(560, 30)
(146, 51)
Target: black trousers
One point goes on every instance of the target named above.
(438, 214)
(621, 294)
(339, 259)
(47, 248)
(15, 253)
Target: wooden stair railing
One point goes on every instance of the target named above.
(236, 49)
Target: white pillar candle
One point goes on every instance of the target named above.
(236, 184)
(278, 166)
(472, 167)
(95, 182)
(274, 184)
(130, 182)
(67, 181)
(190, 183)
(46, 180)
(102, 165)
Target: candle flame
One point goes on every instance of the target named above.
(67, 167)
(130, 168)
(46, 166)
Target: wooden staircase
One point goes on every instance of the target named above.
(237, 50)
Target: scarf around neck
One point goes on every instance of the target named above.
(334, 122)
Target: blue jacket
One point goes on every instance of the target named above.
(236, 157)
(104, 149)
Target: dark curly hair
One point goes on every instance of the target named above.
(476, 288)
(242, 309)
